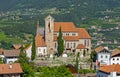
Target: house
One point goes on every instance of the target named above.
(109, 71)
(10, 70)
(115, 57)
(10, 56)
(28, 51)
(103, 55)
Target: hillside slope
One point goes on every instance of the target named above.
(80, 8)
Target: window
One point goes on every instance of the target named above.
(113, 59)
(106, 56)
(39, 50)
(117, 58)
(55, 45)
(85, 43)
(101, 56)
(55, 34)
(73, 34)
(67, 45)
(44, 51)
(74, 45)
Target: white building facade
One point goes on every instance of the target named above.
(115, 57)
(103, 55)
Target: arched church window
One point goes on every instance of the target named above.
(49, 30)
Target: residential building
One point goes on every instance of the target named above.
(10, 70)
(109, 71)
(10, 56)
(102, 55)
(28, 51)
(115, 57)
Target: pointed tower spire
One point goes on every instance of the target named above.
(37, 30)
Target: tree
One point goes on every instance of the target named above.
(92, 55)
(57, 71)
(1, 62)
(77, 62)
(84, 53)
(33, 50)
(92, 58)
(60, 43)
(27, 69)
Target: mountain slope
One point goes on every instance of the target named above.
(88, 7)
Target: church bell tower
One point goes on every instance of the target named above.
(49, 34)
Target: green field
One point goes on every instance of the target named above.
(5, 38)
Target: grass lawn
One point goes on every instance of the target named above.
(2, 36)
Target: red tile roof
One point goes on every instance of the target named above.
(15, 46)
(39, 41)
(83, 34)
(98, 49)
(5, 69)
(80, 46)
(65, 27)
(11, 53)
(110, 68)
(70, 27)
(115, 52)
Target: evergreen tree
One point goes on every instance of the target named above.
(1, 62)
(77, 62)
(33, 50)
(92, 58)
(92, 55)
(84, 53)
(60, 43)
(27, 69)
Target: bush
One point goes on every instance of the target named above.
(84, 71)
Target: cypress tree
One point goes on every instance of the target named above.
(33, 54)
(77, 62)
(60, 42)
(84, 53)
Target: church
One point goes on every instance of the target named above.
(75, 39)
